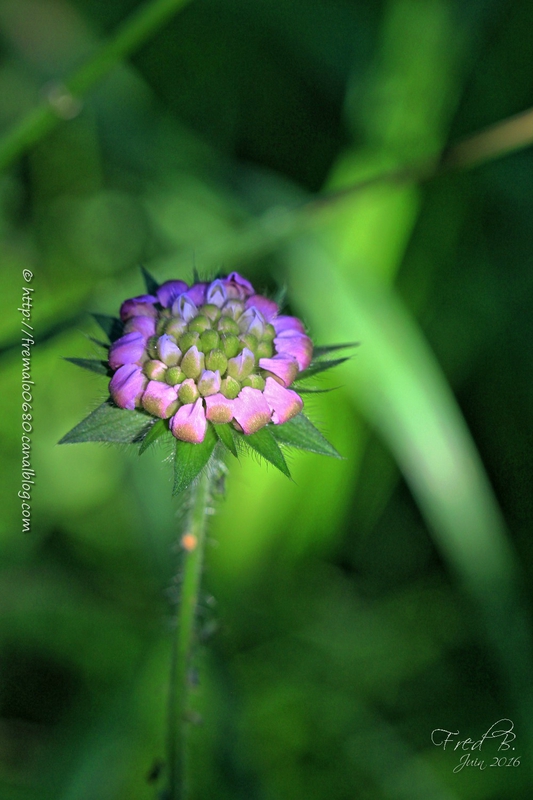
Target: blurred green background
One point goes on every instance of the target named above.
(348, 614)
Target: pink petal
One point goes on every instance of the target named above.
(219, 408)
(127, 386)
(268, 308)
(284, 323)
(284, 403)
(168, 291)
(189, 423)
(160, 399)
(251, 410)
(284, 366)
(129, 349)
(141, 306)
(298, 346)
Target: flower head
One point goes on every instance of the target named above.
(209, 353)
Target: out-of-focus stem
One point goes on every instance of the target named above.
(192, 543)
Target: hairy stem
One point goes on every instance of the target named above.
(63, 101)
(193, 548)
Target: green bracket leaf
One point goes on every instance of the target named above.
(92, 364)
(225, 433)
(301, 433)
(318, 352)
(157, 430)
(312, 389)
(110, 424)
(151, 284)
(320, 366)
(191, 459)
(264, 443)
(112, 327)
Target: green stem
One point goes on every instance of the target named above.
(193, 548)
(142, 24)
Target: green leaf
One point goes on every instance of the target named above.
(280, 296)
(311, 389)
(225, 433)
(191, 459)
(151, 284)
(300, 432)
(157, 430)
(109, 424)
(195, 277)
(92, 364)
(318, 352)
(263, 442)
(112, 327)
(320, 366)
(97, 341)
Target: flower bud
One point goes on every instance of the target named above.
(174, 327)
(127, 386)
(264, 350)
(249, 341)
(169, 291)
(188, 391)
(255, 381)
(268, 308)
(189, 423)
(184, 307)
(155, 370)
(284, 403)
(216, 360)
(228, 325)
(237, 286)
(216, 293)
(168, 350)
(251, 410)
(230, 344)
(144, 325)
(187, 340)
(211, 311)
(242, 365)
(233, 309)
(252, 321)
(151, 347)
(269, 334)
(192, 362)
(129, 349)
(209, 382)
(199, 323)
(173, 376)
(208, 340)
(230, 388)
(141, 306)
(160, 399)
(218, 408)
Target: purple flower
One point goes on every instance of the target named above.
(144, 325)
(284, 366)
(197, 293)
(168, 350)
(268, 308)
(168, 291)
(252, 321)
(127, 386)
(189, 423)
(184, 307)
(284, 403)
(141, 306)
(129, 349)
(251, 410)
(299, 346)
(160, 399)
(219, 408)
(288, 324)
(237, 286)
